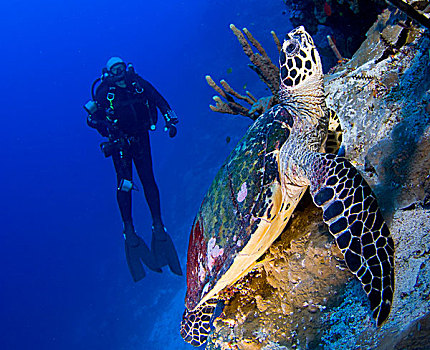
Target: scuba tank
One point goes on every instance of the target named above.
(91, 106)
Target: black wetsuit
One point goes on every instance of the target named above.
(134, 107)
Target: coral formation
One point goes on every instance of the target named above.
(300, 295)
(262, 65)
(266, 70)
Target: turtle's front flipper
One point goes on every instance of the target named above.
(196, 324)
(353, 216)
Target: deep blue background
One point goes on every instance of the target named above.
(64, 280)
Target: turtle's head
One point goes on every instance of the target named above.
(299, 62)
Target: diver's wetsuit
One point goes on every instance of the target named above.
(135, 110)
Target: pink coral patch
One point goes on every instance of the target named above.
(242, 193)
(214, 251)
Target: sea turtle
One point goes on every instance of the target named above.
(257, 189)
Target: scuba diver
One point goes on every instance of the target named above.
(124, 109)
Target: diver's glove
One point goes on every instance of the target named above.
(171, 120)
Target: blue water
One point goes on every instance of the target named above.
(64, 280)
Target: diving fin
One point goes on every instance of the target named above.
(164, 251)
(135, 255)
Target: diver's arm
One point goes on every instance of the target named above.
(153, 95)
(156, 98)
(161, 103)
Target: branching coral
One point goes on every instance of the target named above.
(261, 63)
(266, 70)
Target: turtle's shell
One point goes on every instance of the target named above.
(243, 201)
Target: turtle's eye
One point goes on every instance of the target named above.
(290, 47)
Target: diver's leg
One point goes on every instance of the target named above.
(136, 250)
(161, 245)
(143, 161)
(123, 167)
